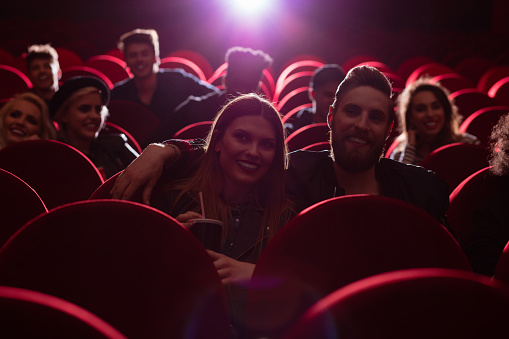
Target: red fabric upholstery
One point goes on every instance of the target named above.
(79, 71)
(417, 303)
(185, 64)
(111, 128)
(482, 121)
(13, 82)
(196, 58)
(308, 135)
(431, 70)
(455, 162)
(500, 91)
(411, 64)
(474, 67)
(215, 79)
(295, 98)
(197, 130)
(502, 268)
(132, 265)
(318, 146)
(114, 68)
(297, 66)
(470, 100)
(58, 172)
(467, 196)
(293, 81)
(67, 58)
(357, 59)
(103, 191)
(30, 314)
(453, 82)
(288, 117)
(336, 242)
(18, 204)
(133, 117)
(377, 64)
(491, 76)
(267, 85)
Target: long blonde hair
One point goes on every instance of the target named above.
(47, 130)
(64, 109)
(269, 192)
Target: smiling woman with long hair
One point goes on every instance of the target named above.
(25, 117)
(428, 119)
(241, 175)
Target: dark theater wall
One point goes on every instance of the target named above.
(332, 29)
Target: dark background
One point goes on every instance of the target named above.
(334, 30)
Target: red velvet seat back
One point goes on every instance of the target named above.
(418, 303)
(59, 173)
(336, 242)
(132, 265)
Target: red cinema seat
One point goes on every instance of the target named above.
(455, 162)
(336, 242)
(59, 173)
(131, 265)
(415, 303)
(30, 314)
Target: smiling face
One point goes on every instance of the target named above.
(359, 127)
(427, 115)
(22, 122)
(246, 152)
(83, 118)
(140, 58)
(43, 73)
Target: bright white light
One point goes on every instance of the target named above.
(250, 7)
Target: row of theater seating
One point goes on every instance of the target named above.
(145, 275)
(481, 74)
(480, 107)
(289, 89)
(60, 174)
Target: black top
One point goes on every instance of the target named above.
(311, 179)
(303, 118)
(173, 87)
(111, 153)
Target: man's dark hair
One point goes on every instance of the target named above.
(365, 76)
(245, 68)
(326, 73)
(144, 36)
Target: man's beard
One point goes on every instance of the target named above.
(353, 160)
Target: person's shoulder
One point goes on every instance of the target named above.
(468, 138)
(219, 97)
(174, 73)
(400, 174)
(306, 159)
(122, 84)
(404, 169)
(306, 111)
(121, 88)
(113, 139)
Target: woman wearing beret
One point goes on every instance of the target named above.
(79, 108)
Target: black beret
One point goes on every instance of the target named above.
(74, 84)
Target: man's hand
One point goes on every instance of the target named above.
(144, 172)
